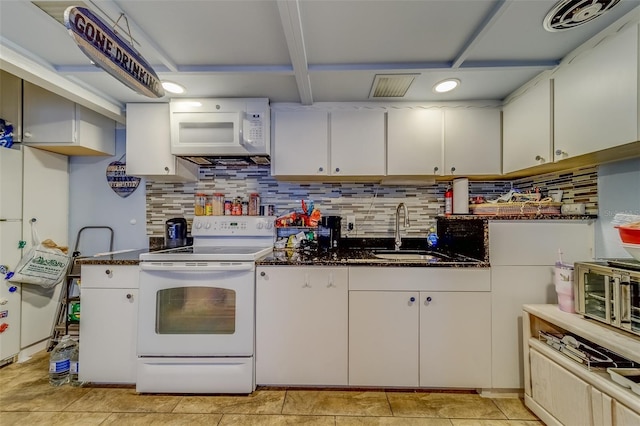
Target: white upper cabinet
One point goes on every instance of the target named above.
(56, 124)
(149, 145)
(11, 102)
(596, 97)
(527, 132)
(324, 143)
(357, 143)
(472, 141)
(414, 142)
(300, 143)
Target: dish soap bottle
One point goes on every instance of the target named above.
(432, 238)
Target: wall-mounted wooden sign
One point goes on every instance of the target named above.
(108, 51)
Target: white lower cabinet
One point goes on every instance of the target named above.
(301, 326)
(522, 271)
(108, 325)
(383, 338)
(455, 339)
(427, 327)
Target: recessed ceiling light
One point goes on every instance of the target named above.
(446, 85)
(172, 87)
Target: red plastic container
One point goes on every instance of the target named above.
(629, 234)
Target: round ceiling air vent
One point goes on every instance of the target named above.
(567, 14)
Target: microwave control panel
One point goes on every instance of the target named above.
(254, 128)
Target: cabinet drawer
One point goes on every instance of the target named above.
(109, 276)
(420, 279)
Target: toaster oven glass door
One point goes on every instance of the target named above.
(598, 296)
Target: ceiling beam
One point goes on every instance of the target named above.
(292, 26)
(484, 27)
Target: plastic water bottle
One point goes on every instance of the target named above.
(74, 368)
(60, 361)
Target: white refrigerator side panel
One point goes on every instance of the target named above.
(10, 235)
(46, 199)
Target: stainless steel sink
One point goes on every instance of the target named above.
(407, 255)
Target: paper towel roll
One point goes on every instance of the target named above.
(461, 196)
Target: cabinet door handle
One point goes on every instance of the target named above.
(337, 169)
(320, 169)
(129, 296)
(560, 152)
(435, 170)
(108, 272)
(262, 274)
(412, 299)
(453, 169)
(166, 169)
(427, 300)
(27, 135)
(306, 281)
(330, 281)
(539, 158)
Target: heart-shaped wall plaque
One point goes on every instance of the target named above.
(119, 181)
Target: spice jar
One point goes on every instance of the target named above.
(236, 207)
(254, 204)
(200, 203)
(227, 207)
(217, 204)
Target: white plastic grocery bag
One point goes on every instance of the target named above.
(45, 264)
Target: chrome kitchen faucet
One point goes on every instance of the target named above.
(406, 223)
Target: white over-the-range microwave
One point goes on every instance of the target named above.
(220, 127)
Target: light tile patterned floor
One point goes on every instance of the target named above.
(27, 398)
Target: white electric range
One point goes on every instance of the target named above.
(196, 318)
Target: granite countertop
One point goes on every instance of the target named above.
(361, 257)
(360, 252)
(520, 217)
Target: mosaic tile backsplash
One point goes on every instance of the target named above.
(372, 204)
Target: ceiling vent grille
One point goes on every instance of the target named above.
(56, 9)
(567, 14)
(391, 85)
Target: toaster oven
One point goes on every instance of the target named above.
(609, 292)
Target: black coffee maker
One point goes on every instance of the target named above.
(329, 232)
(175, 232)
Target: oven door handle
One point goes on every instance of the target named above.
(185, 267)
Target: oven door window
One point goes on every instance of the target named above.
(196, 310)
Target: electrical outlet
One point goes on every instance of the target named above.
(351, 223)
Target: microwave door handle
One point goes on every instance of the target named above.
(615, 313)
(625, 304)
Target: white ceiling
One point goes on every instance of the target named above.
(308, 50)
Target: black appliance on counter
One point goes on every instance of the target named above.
(329, 230)
(175, 232)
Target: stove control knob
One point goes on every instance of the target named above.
(260, 225)
(198, 225)
(269, 225)
(207, 225)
